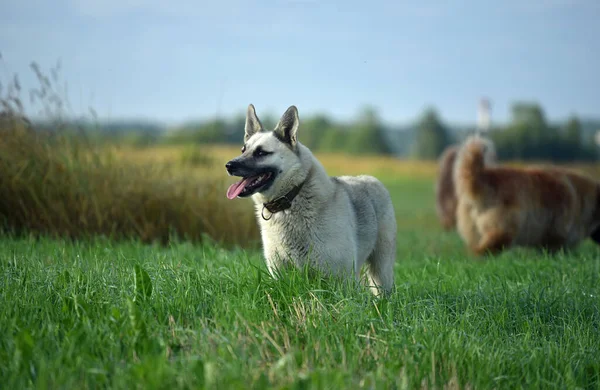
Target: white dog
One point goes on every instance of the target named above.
(335, 224)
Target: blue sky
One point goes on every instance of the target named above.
(179, 60)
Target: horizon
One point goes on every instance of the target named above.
(184, 62)
(391, 125)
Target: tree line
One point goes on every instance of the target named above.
(527, 136)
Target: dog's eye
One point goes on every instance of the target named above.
(260, 153)
(243, 148)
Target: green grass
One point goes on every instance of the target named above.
(82, 315)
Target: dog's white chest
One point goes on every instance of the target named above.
(295, 239)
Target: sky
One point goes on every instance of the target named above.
(181, 60)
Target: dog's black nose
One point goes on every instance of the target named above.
(231, 165)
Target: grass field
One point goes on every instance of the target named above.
(95, 314)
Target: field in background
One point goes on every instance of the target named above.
(211, 159)
(216, 156)
(97, 313)
(62, 186)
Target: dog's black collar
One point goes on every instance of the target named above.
(282, 203)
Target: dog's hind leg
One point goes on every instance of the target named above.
(380, 272)
(465, 225)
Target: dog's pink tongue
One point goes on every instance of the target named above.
(235, 189)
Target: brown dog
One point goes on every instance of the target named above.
(445, 192)
(500, 207)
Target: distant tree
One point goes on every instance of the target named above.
(210, 132)
(333, 140)
(269, 120)
(432, 136)
(530, 114)
(530, 129)
(234, 130)
(313, 130)
(573, 131)
(529, 137)
(367, 135)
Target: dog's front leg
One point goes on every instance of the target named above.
(493, 242)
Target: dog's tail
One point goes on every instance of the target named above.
(473, 157)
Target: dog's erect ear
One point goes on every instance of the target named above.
(287, 127)
(253, 124)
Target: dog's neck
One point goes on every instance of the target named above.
(283, 202)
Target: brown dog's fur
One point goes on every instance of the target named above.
(445, 192)
(445, 198)
(501, 207)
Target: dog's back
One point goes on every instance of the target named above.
(371, 201)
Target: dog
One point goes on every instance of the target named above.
(307, 218)
(445, 194)
(548, 208)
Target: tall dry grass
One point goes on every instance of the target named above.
(60, 186)
(56, 183)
